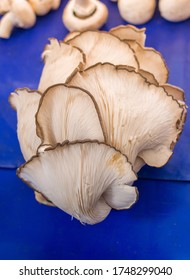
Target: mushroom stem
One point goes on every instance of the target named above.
(6, 25)
(84, 8)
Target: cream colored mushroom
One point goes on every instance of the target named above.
(20, 15)
(61, 60)
(81, 178)
(56, 4)
(136, 11)
(129, 32)
(26, 103)
(80, 15)
(100, 46)
(174, 10)
(42, 7)
(5, 6)
(138, 118)
(67, 113)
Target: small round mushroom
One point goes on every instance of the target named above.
(41, 7)
(56, 4)
(80, 15)
(174, 10)
(21, 15)
(136, 11)
(5, 6)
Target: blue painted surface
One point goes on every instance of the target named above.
(157, 227)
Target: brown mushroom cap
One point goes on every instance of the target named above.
(75, 176)
(67, 113)
(26, 103)
(104, 47)
(60, 60)
(138, 118)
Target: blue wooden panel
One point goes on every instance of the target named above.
(21, 65)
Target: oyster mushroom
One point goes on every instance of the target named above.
(130, 32)
(125, 99)
(67, 113)
(60, 60)
(95, 46)
(84, 140)
(174, 10)
(136, 11)
(21, 15)
(151, 61)
(75, 177)
(80, 15)
(26, 103)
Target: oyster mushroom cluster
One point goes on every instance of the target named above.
(103, 109)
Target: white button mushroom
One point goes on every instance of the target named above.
(136, 11)
(56, 4)
(42, 7)
(21, 15)
(175, 10)
(80, 15)
(5, 6)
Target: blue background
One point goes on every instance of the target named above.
(156, 227)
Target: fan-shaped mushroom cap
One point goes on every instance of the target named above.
(130, 33)
(26, 103)
(101, 47)
(151, 61)
(71, 35)
(138, 118)
(176, 92)
(60, 60)
(75, 176)
(67, 114)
